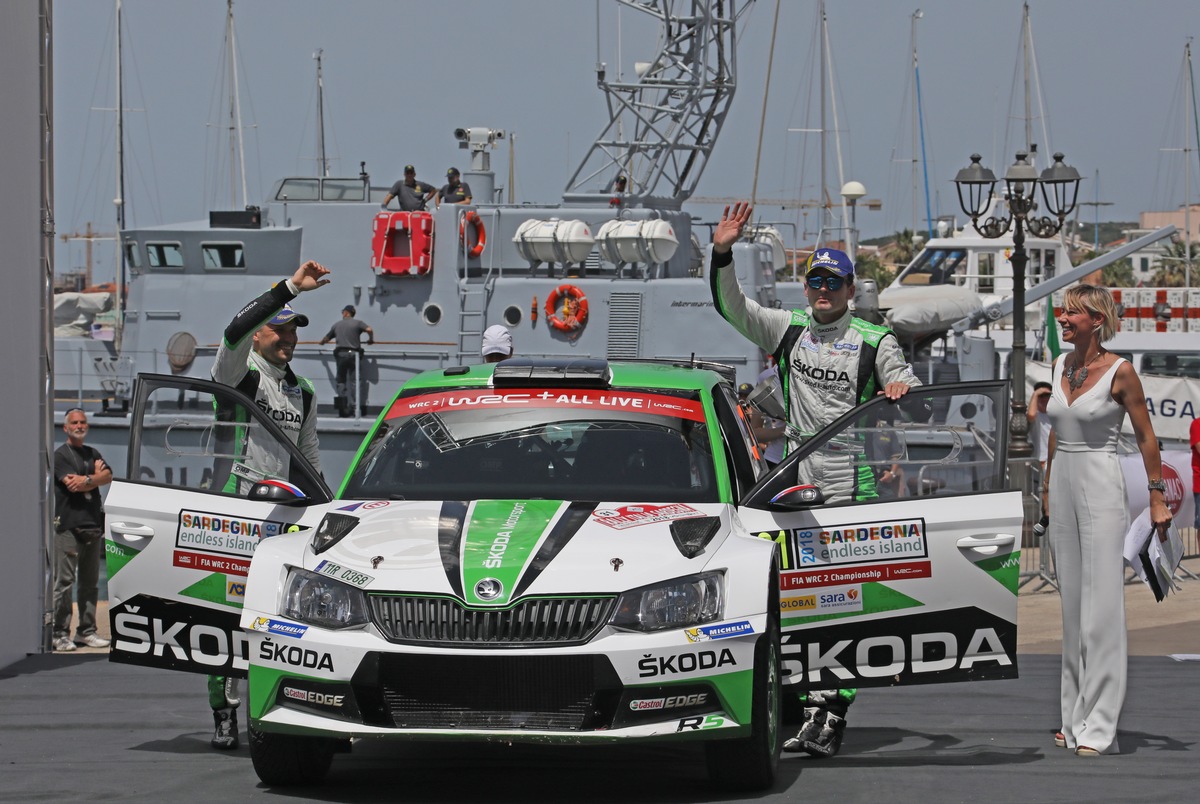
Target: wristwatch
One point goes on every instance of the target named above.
(1157, 485)
(89, 480)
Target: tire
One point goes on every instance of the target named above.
(283, 760)
(750, 764)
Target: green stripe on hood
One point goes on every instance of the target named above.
(501, 537)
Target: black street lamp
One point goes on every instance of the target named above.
(1060, 190)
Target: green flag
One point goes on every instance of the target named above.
(1052, 331)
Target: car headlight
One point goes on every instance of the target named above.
(318, 600)
(681, 603)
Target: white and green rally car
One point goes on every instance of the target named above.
(550, 551)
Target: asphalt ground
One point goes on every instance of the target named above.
(75, 727)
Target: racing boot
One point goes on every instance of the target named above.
(810, 728)
(225, 736)
(828, 740)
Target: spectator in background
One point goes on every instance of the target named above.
(79, 472)
(347, 351)
(497, 344)
(1039, 422)
(454, 191)
(412, 194)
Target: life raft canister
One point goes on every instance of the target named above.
(402, 243)
(572, 317)
(472, 217)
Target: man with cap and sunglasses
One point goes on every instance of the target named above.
(828, 362)
(455, 191)
(253, 357)
(412, 194)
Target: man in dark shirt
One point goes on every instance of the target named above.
(79, 472)
(412, 194)
(455, 191)
(347, 350)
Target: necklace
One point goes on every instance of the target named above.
(1077, 375)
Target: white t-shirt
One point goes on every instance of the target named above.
(1041, 436)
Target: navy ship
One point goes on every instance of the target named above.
(615, 270)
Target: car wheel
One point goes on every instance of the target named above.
(750, 764)
(281, 760)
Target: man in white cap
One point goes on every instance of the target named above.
(253, 357)
(497, 344)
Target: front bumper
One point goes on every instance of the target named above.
(619, 686)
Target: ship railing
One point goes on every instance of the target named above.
(1037, 554)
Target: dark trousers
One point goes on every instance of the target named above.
(347, 374)
(73, 560)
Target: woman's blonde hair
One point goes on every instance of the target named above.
(1097, 301)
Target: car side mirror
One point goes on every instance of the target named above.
(797, 498)
(277, 491)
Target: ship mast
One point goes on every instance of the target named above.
(323, 162)
(119, 201)
(677, 105)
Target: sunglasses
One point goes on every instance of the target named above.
(831, 282)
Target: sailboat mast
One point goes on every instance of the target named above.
(1026, 50)
(919, 126)
(824, 199)
(324, 168)
(119, 201)
(120, 198)
(1187, 172)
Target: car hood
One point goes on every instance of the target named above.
(512, 548)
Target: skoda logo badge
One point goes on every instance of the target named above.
(488, 589)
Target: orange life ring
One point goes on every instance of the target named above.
(472, 217)
(574, 313)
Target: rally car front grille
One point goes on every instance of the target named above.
(504, 692)
(445, 622)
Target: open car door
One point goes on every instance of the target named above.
(178, 552)
(899, 543)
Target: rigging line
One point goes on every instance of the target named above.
(837, 126)
(762, 122)
(1192, 86)
(1046, 151)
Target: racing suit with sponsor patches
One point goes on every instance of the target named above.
(276, 390)
(824, 369)
(289, 400)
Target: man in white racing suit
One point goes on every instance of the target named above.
(253, 357)
(829, 362)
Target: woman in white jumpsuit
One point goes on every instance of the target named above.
(1093, 391)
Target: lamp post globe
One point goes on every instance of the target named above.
(1060, 190)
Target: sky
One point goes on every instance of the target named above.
(401, 75)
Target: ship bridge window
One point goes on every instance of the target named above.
(164, 255)
(133, 255)
(343, 190)
(1172, 364)
(298, 190)
(223, 256)
(936, 266)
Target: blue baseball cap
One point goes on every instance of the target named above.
(832, 260)
(287, 315)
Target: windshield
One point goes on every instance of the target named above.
(937, 266)
(629, 446)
